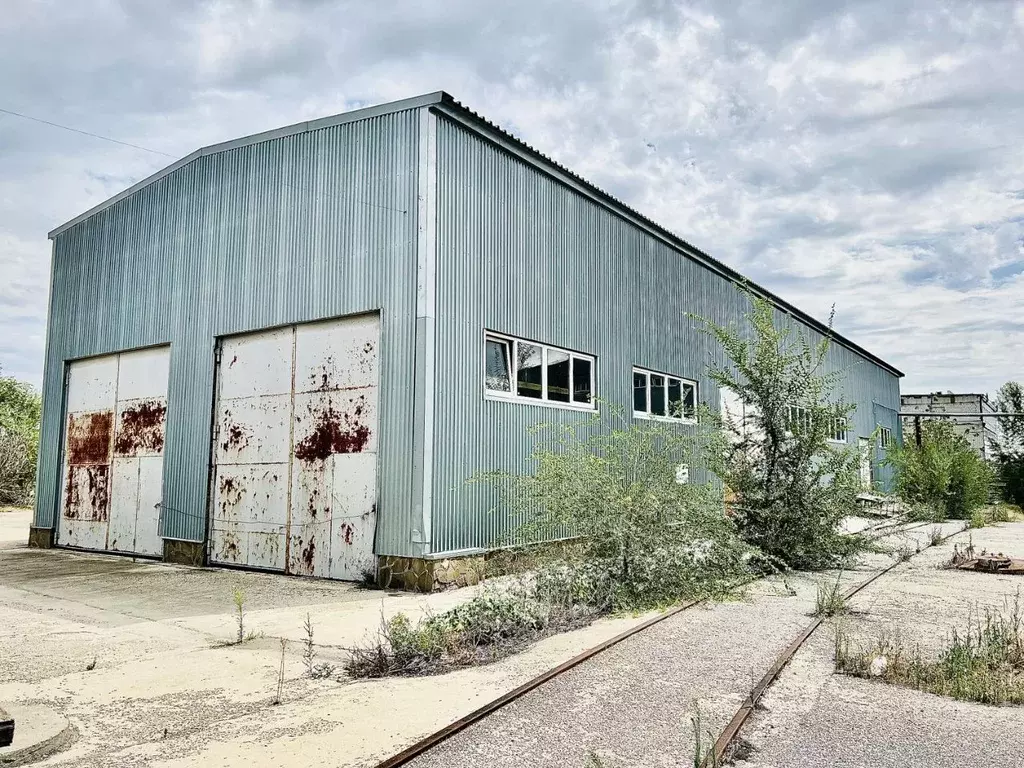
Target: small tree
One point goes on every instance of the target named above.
(1009, 448)
(943, 472)
(791, 486)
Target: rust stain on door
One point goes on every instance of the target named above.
(334, 432)
(140, 430)
(89, 436)
(87, 493)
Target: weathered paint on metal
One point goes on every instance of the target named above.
(302, 225)
(295, 482)
(336, 218)
(113, 469)
(523, 254)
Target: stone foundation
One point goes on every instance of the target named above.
(184, 552)
(417, 574)
(40, 538)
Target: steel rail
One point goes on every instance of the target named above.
(445, 733)
(716, 755)
(426, 743)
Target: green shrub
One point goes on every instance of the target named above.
(943, 473)
(20, 409)
(640, 538)
(494, 624)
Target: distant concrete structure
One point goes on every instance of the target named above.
(979, 430)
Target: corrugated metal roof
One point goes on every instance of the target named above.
(455, 109)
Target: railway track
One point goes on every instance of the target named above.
(717, 754)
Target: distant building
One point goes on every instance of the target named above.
(979, 431)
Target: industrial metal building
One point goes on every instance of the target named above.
(290, 351)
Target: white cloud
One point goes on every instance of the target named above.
(861, 152)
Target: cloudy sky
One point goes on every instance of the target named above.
(866, 154)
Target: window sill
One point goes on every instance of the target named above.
(662, 419)
(837, 442)
(495, 397)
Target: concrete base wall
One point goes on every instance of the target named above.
(417, 574)
(40, 538)
(184, 552)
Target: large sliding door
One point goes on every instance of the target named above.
(295, 453)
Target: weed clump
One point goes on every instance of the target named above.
(830, 600)
(983, 663)
(495, 624)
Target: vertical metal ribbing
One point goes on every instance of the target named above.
(313, 225)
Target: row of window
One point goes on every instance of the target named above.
(516, 368)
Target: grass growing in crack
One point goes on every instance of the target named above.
(280, 675)
(241, 636)
(239, 600)
(982, 663)
(313, 669)
(495, 624)
(902, 553)
(935, 536)
(830, 600)
(704, 755)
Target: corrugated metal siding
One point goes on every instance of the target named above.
(308, 226)
(523, 254)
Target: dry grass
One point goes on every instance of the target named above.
(982, 663)
(830, 600)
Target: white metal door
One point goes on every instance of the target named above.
(112, 473)
(294, 486)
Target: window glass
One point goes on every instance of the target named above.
(689, 401)
(657, 395)
(675, 398)
(529, 370)
(558, 375)
(497, 376)
(639, 392)
(581, 373)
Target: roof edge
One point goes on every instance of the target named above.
(452, 108)
(480, 125)
(305, 126)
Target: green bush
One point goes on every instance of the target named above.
(639, 538)
(20, 409)
(494, 624)
(943, 473)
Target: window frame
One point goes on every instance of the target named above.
(837, 426)
(884, 436)
(647, 415)
(513, 395)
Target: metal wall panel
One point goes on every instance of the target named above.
(312, 225)
(522, 254)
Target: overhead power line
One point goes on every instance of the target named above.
(84, 133)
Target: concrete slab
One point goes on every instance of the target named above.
(813, 717)
(38, 733)
(132, 653)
